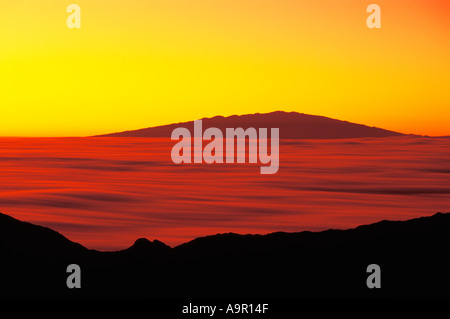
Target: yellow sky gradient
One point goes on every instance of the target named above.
(141, 63)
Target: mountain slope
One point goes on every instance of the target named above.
(26, 239)
(292, 125)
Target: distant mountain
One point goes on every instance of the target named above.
(292, 125)
(412, 255)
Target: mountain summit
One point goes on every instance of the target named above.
(292, 125)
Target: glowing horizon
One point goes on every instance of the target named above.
(136, 64)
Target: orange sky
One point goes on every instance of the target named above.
(140, 63)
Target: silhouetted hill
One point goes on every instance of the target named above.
(26, 239)
(412, 255)
(144, 249)
(292, 125)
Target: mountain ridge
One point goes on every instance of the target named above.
(326, 264)
(144, 243)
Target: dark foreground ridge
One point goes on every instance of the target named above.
(412, 254)
(292, 125)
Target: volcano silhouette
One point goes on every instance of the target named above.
(292, 125)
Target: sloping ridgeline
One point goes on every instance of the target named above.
(412, 255)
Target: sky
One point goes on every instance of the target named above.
(140, 63)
